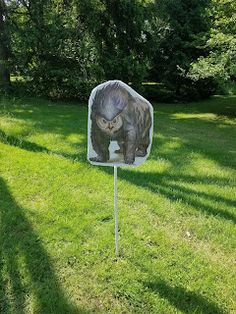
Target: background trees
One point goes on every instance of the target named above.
(182, 42)
(62, 48)
(4, 48)
(220, 62)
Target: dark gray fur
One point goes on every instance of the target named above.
(134, 135)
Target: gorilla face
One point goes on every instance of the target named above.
(109, 126)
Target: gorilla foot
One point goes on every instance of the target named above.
(129, 160)
(141, 153)
(98, 159)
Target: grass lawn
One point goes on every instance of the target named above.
(177, 214)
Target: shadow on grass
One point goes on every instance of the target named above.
(23, 239)
(189, 136)
(15, 141)
(72, 119)
(186, 301)
(22, 251)
(174, 185)
(170, 186)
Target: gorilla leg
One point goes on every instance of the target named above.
(142, 147)
(130, 147)
(100, 143)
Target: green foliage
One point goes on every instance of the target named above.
(227, 88)
(4, 48)
(58, 59)
(120, 36)
(64, 48)
(183, 24)
(220, 63)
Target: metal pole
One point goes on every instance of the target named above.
(116, 211)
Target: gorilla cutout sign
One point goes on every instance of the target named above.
(120, 124)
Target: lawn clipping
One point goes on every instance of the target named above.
(120, 126)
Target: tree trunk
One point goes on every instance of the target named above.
(4, 49)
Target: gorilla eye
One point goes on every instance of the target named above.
(104, 120)
(114, 120)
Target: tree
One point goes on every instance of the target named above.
(120, 35)
(220, 62)
(48, 48)
(4, 48)
(181, 25)
(64, 48)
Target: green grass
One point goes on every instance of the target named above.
(177, 214)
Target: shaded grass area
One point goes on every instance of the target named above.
(177, 214)
(21, 246)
